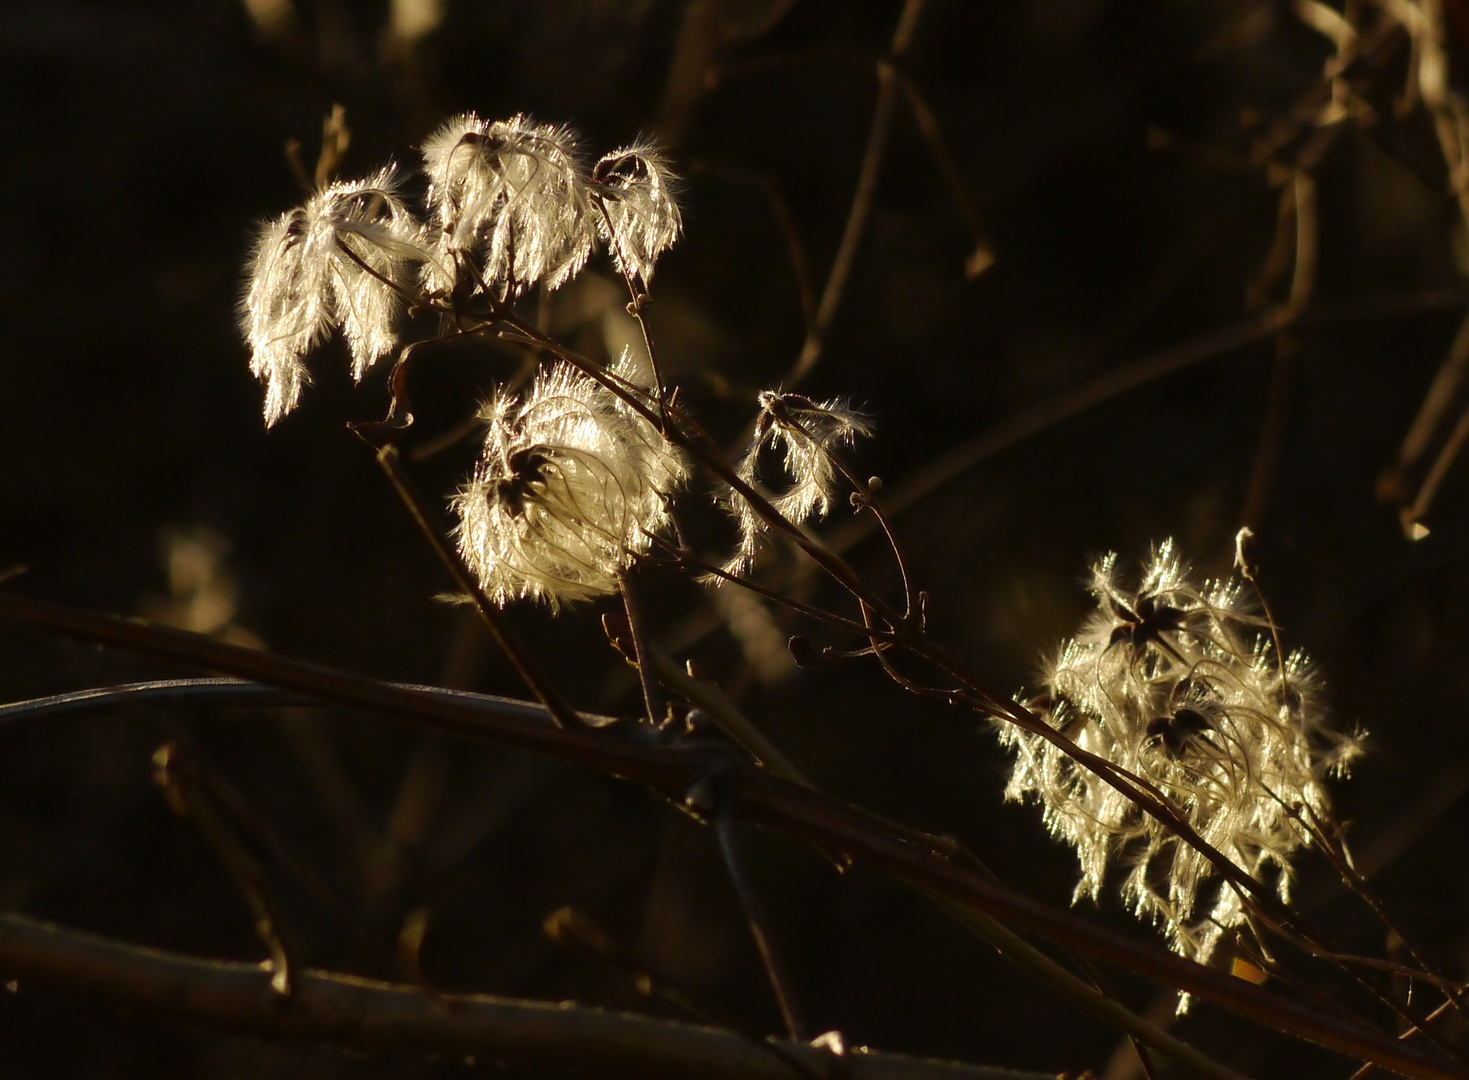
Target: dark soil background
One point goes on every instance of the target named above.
(1110, 152)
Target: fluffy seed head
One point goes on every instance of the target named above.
(327, 264)
(807, 434)
(1175, 682)
(572, 487)
(510, 201)
(637, 190)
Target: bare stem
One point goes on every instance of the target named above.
(559, 708)
(653, 700)
(739, 876)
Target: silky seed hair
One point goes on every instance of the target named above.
(333, 262)
(571, 490)
(639, 216)
(805, 434)
(511, 203)
(1176, 682)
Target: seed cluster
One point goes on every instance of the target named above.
(1178, 683)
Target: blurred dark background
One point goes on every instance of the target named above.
(1109, 160)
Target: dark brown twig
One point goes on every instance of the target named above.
(770, 957)
(530, 671)
(862, 197)
(186, 790)
(982, 255)
(653, 699)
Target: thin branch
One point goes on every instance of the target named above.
(982, 256)
(653, 699)
(781, 211)
(760, 930)
(1274, 430)
(862, 197)
(1114, 382)
(1441, 394)
(572, 929)
(186, 788)
(525, 665)
(1139, 1048)
(637, 305)
(229, 693)
(1412, 516)
(394, 1018)
(1027, 957)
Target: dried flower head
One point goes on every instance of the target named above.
(511, 203)
(807, 433)
(1174, 682)
(572, 487)
(637, 188)
(328, 263)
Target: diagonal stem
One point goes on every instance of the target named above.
(775, 969)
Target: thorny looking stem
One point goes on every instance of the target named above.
(706, 697)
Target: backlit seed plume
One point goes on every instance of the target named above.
(572, 487)
(326, 264)
(510, 202)
(637, 190)
(806, 433)
(1175, 682)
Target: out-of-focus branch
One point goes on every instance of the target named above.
(861, 210)
(392, 1017)
(222, 692)
(982, 255)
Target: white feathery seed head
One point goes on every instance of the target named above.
(806, 433)
(1176, 682)
(638, 192)
(572, 487)
(510, 201)
(304, 280)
